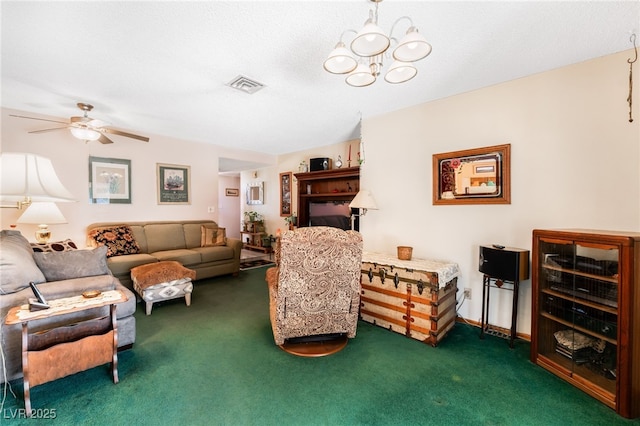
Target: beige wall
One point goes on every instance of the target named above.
(70, 158)
(574, 163)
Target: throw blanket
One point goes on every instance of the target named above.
(161, 272)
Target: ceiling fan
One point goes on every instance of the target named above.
(86, 128)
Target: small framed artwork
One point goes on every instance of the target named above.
(285, 194)
(232, 192)
(174, 184)
(109, 180)
(473, 176)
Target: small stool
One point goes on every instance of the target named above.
(165, 280)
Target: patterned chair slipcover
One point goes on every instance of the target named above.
(315, 289)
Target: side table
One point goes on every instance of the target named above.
(61, 351)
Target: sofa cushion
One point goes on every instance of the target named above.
(184, 256)
(118, 239)
(58, 266)
(121, 265)
(17, 265)
(65, 245)
(212, 236)
(165, 236)
(215, 253)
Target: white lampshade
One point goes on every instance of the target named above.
(370, 40)
(85, 134)
(363, 200)
(340, 60)
(30, 176)
(360, 77)
(399, 72)
(412, 47)
(42, 214)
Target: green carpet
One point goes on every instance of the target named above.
(215, 363)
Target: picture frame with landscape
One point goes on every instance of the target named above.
(109, 180)
(174, 184)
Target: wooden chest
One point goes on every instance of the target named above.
(416, 298)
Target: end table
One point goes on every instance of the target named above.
(64, 350)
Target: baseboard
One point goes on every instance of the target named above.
(495, 328)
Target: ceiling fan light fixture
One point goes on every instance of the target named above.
(412, 47)
(85, 134)
(399, 72)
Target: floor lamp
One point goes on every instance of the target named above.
(363, 200)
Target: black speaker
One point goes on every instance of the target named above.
(507, 264)
(317, 164)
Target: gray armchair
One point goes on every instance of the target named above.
(315, 289)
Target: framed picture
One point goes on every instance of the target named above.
(473, 176)
(285, 194)
(174, 184)
(232, 192)
(109, 181)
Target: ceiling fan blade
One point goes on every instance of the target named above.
(40, 119)
(104, 139)
(47, 130)
(128, 135)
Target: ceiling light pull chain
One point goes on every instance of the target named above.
(629, 99)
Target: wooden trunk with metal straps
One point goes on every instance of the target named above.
(416, 298)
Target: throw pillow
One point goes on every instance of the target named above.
(17, 265)
(64, 265)
(118, 239)
(65, 245)
(212, 236)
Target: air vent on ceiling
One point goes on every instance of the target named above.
(245, 84)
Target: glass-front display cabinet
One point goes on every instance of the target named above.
(586, 310)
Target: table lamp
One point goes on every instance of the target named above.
(42, 213)
(28, 177)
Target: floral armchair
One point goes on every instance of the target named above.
(315, 289)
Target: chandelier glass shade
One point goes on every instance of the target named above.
(340, 60)
(363, 63)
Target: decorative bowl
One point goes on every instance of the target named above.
(91, 294)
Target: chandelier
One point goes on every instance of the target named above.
(370, 45)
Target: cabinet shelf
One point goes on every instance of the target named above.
(583, 323)
(325, 186)
(604, 389)
(329, 194)
(582, 274)
(578, 328)
(580, 300)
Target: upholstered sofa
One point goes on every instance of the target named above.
(197, 244)
(57, 275)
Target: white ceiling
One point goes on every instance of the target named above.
(161, 67)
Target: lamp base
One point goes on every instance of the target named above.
(43, 234)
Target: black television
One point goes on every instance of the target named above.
(336, 214)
